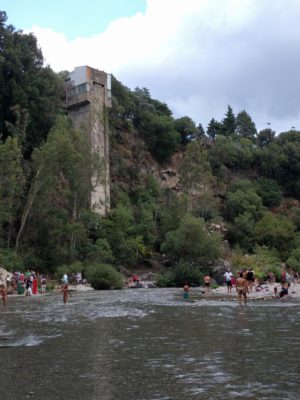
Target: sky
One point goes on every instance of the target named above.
(197, 56)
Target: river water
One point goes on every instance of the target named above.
(148, 344)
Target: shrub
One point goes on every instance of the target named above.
(165, 280)
(10, 261)
(51, 285)
(263, 261)
(104, 276)
(183, 272)
(191, 242)
(294, 260)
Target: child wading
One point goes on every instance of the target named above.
(66, 293)
(186, 291)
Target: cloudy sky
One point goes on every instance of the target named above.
(198, 56)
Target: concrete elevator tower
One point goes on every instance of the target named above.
(88, 95)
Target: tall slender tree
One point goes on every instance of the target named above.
(229, 123)
(245, 127)
(213, 129)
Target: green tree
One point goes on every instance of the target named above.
(229, 123)
(127, 246)
(58, 194)
(244, 154)
(230, 153)
(269, 160)
(99, 252)
(275, 231)
(200, 133)
(290, 169)
(191, 242)
(295, 217)
(26, 83)
(12, 182)
(294, 260)
(187, 129)
(207, 206)
(265, 137)
(214, 128)
(269, 191)
(172, 210)
(245, 127)
(104, 277)
(241, 231)
(244, 201)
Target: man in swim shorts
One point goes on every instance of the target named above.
(241, 288)
(228, 276)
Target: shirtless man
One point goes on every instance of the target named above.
(207, 281)
(66, 293)
(3, 294)
(241, 288)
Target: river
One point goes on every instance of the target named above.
(148, 344)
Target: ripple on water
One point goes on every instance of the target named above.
(29, 340)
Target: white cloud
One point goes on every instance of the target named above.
(199, 56)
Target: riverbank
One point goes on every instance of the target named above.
(259, 292)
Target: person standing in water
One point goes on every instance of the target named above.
(43, 284)
(250, 279)
(186, 292)
(3, 294)
(66, 293)
(207, 282)
(228, 276)
(242, 288)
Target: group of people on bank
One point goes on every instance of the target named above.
(28, 283)
(244, 282)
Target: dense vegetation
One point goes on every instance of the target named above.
(231, 177)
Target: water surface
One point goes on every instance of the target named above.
(147, 344)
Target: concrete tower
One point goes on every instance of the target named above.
(88, 94)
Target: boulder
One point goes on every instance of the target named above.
(219, 270)
(4, 276)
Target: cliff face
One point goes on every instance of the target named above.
(130, 159)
